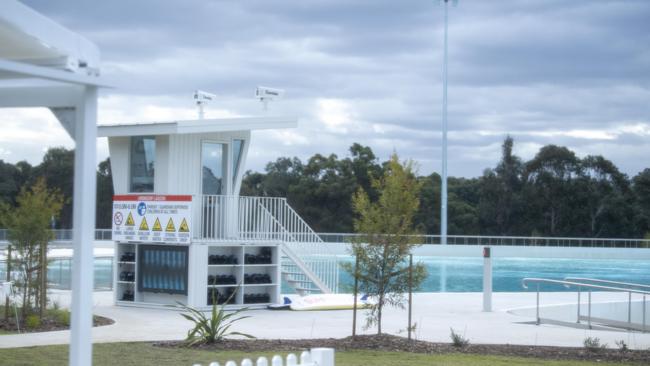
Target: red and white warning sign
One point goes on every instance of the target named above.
(152, 218)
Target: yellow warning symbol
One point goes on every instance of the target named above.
(170, 226)
(129, 220)
(184, 228)
(144, 225)
(156, 225)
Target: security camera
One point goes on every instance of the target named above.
(264, 93)
(201, 96)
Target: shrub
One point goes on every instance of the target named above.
(592, 344)
(32, 321)
(622, 346)
(63, 317)
(458, 340)
(212, 329)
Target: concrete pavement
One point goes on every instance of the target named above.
(434, 313)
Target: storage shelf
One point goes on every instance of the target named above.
(120, 262)
(213, 286)
(224, 265)
(261, 265)
(259, 284)
(126, 282)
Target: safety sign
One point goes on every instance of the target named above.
(132, 215)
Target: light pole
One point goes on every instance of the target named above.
(443, 188)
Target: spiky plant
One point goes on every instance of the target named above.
(207, 330)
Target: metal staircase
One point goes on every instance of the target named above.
(307, 264)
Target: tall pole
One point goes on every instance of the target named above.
(410, 326)
(443, 189)
(356, 290)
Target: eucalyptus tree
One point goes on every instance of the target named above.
(606, 199)
(550, 186)
(500, 203)
(641, 191)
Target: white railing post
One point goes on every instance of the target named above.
(579, 290)
(629, 308)
(537, 306)
(322, 356)
(276, 360)
(589, 311)
(305, 358)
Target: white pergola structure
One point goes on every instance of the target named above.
(43, 64)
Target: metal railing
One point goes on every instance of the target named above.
(582, 283)
(65, 235)
(607, 282)
(510, 241)
(59, 272)
(243, 218)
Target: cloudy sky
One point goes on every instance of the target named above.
(573, 73)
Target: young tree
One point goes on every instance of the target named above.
(387, 238)
(29, 234)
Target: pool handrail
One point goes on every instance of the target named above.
(596, 280)
(580, 285)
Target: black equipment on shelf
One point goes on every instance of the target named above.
(256, 298)
(128, 296)
(257, 278)
(128, 257)
(222, 280)
(221, 296)
(265, 257)
(127, 276)
(222, 259)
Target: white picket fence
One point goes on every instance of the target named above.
(314, 357)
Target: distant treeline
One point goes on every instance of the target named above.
(57, 168)
(554, 194)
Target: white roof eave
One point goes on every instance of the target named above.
(28, 36)
(20, 70)
(198, 126)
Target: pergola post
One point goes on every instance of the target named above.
(85, 177)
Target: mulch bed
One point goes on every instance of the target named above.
(393, 343)
(49, 324)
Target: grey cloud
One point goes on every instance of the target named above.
(515, 67)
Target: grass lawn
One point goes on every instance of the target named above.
(142, 354)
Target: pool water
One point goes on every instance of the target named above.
(455, 274)
(59, 273)
(444, 274)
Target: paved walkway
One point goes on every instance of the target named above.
(435, 314)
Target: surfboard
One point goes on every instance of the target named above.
(329, 302)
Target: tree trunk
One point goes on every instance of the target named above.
(380, 307)
(8, 266)
(27, 279)
(43, 271)
(27, 296)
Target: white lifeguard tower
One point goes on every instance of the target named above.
(184, 234)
